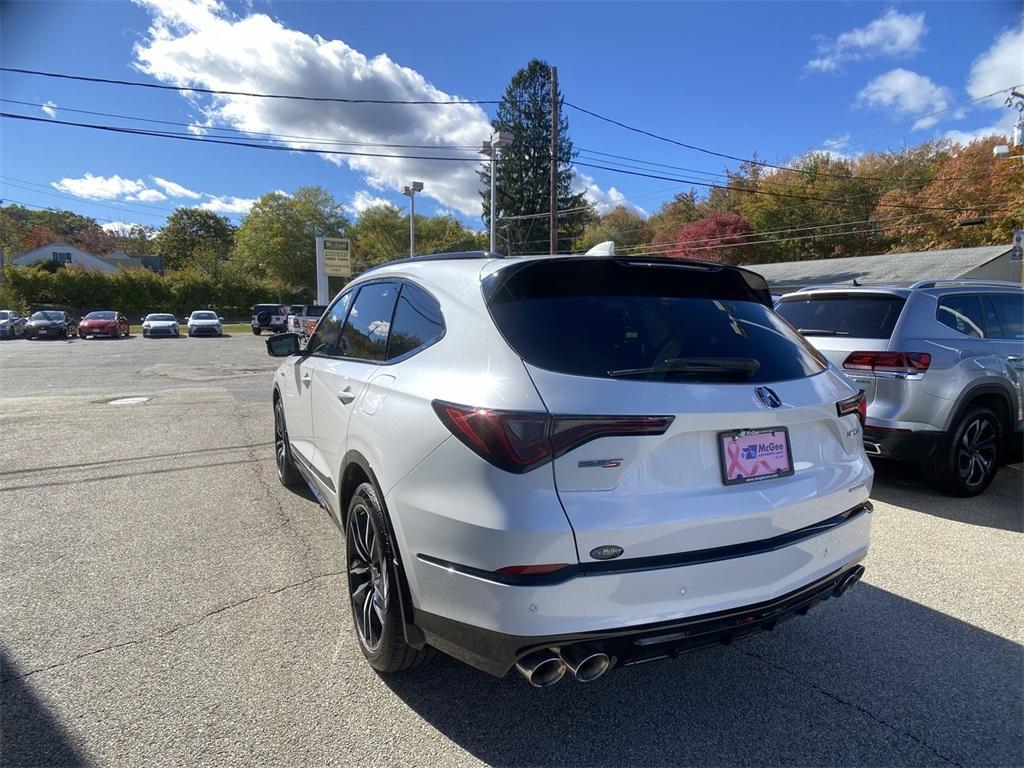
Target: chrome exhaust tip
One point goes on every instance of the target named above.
(586, 662)
(848, 580)
(541, 668)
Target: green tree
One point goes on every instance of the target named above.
(621, 225)
(195, 238)
(524, 171)
(277, 238)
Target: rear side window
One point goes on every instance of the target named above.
(417, 322)
(642, 321)
(860, 316)
(1009, 309)
(365, 335)
(961, 313)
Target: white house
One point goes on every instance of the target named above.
(62, 253)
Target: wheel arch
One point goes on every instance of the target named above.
(994, 396)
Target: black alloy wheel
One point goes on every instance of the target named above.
(287, 473)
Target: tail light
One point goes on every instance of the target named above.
(888, 362)
(858, 404)
(517, 441)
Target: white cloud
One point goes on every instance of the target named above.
(99, 187)
(201, 44)
(1001, 66)
(362, 200)
(906, 93)
(172, 189)
(146, 196)
(1001, 127)
(228, 204)
(894, 34)
(605, 200)
(49, 108)
(124, 228)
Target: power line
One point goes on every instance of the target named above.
(768, 192)
(276, 136)
(108, 206)
(715, 153)
(48, 189)
(234, 143)
(217, 92)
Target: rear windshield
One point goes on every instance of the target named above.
(861, 316)
(646, 321)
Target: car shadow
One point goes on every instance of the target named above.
(30, 734)
(1000, 506)
(869, 679)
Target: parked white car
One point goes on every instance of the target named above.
(160, 324)
(564, 464)
(203, 322)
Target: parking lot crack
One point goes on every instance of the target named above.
(839, 700)
(177, 628)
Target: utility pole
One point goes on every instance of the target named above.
(553, 215)
(410, 192)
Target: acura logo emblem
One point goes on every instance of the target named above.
(767, 397)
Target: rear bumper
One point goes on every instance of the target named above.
(496, 652)
(903, 445)
(490, 624)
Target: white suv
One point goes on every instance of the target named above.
(569, 463)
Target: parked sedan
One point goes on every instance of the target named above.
(159, 324)
(205, 323)
(50, 324)
(104, 323)
(12, 324)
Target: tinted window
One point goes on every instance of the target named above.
(1010, 310)
(962, 314)
(642, 321)
(101, 316)
(860, 316)
(365, 335)
(324, 341)
(418, 321)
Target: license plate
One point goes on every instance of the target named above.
(751, 455)
(43, 332)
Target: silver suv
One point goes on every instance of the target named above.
(941, 364)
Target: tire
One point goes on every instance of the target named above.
(287, 472)
(256, 330)
(190, 333)
(373, 587)
(969, 459)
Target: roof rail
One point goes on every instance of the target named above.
(454, 256)
(920, 284)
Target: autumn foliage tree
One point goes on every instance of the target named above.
(719, 237)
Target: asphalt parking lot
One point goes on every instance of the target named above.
(164, 600)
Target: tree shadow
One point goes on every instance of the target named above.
(29, 734)
(870, 679)
(1000, 506)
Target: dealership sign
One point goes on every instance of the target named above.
(337, 257)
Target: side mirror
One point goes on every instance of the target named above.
(283, 344)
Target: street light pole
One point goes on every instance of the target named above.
(492, 149)
(410, 191)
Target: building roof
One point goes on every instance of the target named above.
(887, 268)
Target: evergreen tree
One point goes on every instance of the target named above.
(523, 179)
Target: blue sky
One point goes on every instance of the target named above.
(777, 79)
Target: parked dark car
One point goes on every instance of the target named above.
(104, 323)
(269, 317)
(50, 324)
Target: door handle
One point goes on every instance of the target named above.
(306, 378)
(346, 395)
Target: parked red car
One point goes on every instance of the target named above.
(103, 323)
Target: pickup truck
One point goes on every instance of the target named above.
(303, 319)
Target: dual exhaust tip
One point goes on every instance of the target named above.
(545, 668)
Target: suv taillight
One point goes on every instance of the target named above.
(888, 362)
(858, 404)
(518, 441)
